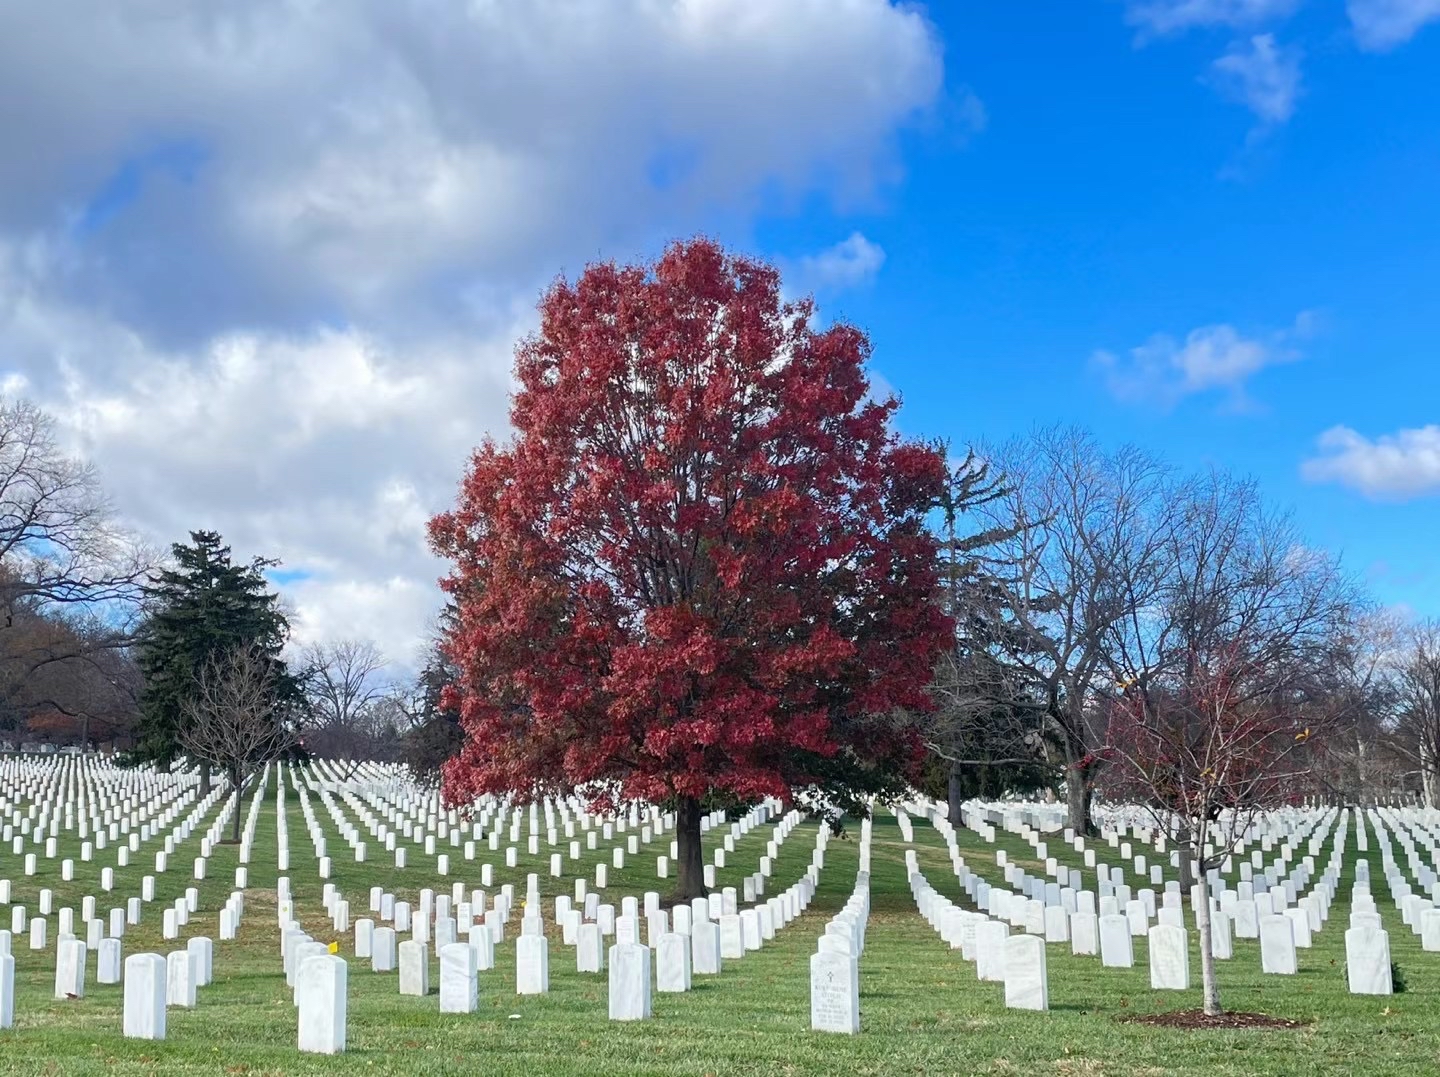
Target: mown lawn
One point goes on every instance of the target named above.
(922, 1010)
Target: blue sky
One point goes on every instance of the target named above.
(266, 262)
(1114, 194)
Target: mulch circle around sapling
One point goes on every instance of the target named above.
(1199, 1019)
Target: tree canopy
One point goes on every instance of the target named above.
(198, 611)
(701, 570)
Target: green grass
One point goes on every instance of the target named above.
(922, 1010)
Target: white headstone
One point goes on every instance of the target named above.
(146, 980)
(414, 968)
(672, 962)
(1169, 958)
(532, 965)
(1277, 945)
(321, 998)
(834, 992)
(459, 992)
(705, 948)
(629, 965)
(1367, 961)
(1026, 983)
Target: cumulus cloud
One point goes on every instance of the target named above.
(1212, 358)
(1159, 17)
(1384, 24)
(1262, 75)
(266, 260)
(852, 261)
(1395, 466)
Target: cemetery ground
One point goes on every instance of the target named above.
(922, 1009)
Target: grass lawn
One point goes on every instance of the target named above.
(922, 1010)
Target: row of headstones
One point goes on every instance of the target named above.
(656, 823)
(389, 909)
(715, 927)
(835, 965)
(1281, 825)
(1278, 937)
(1053, 893)
(56, 810)
(31, 862)
(1110, 878)
(320, 979)
(187, 970)
(652, 822)
(119, 918)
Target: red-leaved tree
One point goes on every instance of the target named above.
(1217, 748)
(699, 574)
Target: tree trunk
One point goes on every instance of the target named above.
(1184, 847)
(237, 782)
(690, 865)
(1427, 774)
(204, 777)
(1077, 799)
(1207, 955)
(955, 795)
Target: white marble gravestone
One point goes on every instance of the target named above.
(1277, 945)
(990, 939)
(1367, 961)
(146, 979)
(70, 962)
(629, 965)
(321, 998)
(672, 962)
(835, 992)
(180, 979)
(459, 991)
(1169, 958)
(1026, 982)
(414, 968)
(107, 962)
(705, 957)
(1116, 948)
(532, 965)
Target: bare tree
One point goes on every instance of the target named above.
(59, 542)
(341, 679)
(1360, 765)
(987, 727)
(345, 693)
(1229, 576)
(62, 553)
(1087, 549)
(232, 720)
(1216, 747)
(1416, 730)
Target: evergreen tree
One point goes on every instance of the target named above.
(197, 611)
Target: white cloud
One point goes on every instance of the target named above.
(1212, 358)
(1384, 24)
(350, 149)
(852, 261)
(1261, 75)
(266, 261)
(1160, 17)
(1395, 466)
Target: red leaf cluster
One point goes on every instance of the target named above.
(701, 564)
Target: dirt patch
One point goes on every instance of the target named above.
(1199, 1019)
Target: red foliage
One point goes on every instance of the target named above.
(701, 565)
